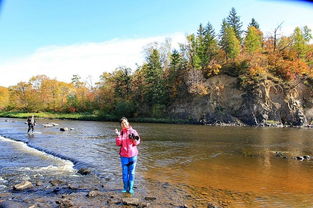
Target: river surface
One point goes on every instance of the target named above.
(236, 159)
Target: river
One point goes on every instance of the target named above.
(243, 161)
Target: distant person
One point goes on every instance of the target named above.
(128, 139)
(31, 122)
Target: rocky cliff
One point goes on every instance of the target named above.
(223, 101)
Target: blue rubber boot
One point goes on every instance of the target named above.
(131, 187)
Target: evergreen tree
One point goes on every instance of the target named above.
(222, 41)
(175, 76)
(153, 74)
(121, 78)
(253, 40)
(234, 21)
(254, 24)
(210, 45)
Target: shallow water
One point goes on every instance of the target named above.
(237, 159)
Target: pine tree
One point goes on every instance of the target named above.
(234, 21)
(210, 45)
(222, 41)
(254, 24)
(153, 74)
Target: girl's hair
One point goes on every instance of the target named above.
(123, 118)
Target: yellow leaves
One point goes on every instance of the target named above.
(257, 70)
(4, 97)
(213, 69)
(199, 89)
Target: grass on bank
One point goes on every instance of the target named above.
(90, 117)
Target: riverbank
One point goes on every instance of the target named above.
(98, 117)
(92, 191)
(92, 117)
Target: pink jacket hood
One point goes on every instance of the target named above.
(128, 146)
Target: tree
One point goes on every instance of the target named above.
(153, 75)
(192, 52)
(300, 40)
(4, 97)
(76, 81)
(20, 96)
(121, 78)
(175, 76)
(254, 24)
(234, 21)
(210, 47)
(253, 40)
(229, 42)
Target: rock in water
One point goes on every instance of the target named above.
(64, 129)
(150, 198)
(130, 201)
(84, 171)
(307, 157)
(94, 193)
(65, 203)
(55, 182)
(22, 186)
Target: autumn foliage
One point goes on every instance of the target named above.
(169, 75)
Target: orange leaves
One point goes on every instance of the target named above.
(289, 70)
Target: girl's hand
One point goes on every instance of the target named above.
(117, 132)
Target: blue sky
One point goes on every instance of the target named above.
(55, 34)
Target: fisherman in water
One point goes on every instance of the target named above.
(31, 123)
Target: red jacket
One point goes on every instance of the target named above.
(128, 146)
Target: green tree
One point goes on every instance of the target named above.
(254, 24)
(300, 40)
(175, 76)
(192, 52)
(234, 21)
(208, 46)
(229, 42)
(121, 78)
(154, 89)
(253, 40)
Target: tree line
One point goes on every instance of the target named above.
(168, 76)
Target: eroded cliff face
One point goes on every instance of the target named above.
(221, 101)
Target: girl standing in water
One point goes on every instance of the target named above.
(128, 139)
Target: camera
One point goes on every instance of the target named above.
(133, 136)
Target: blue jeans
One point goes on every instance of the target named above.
(128, 170)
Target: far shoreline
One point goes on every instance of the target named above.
(87, 116)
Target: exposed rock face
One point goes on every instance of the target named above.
(224, 102)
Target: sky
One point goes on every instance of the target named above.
(66, 37)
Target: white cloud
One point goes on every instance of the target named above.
(85, 59)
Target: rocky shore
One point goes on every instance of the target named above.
(92, 191)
